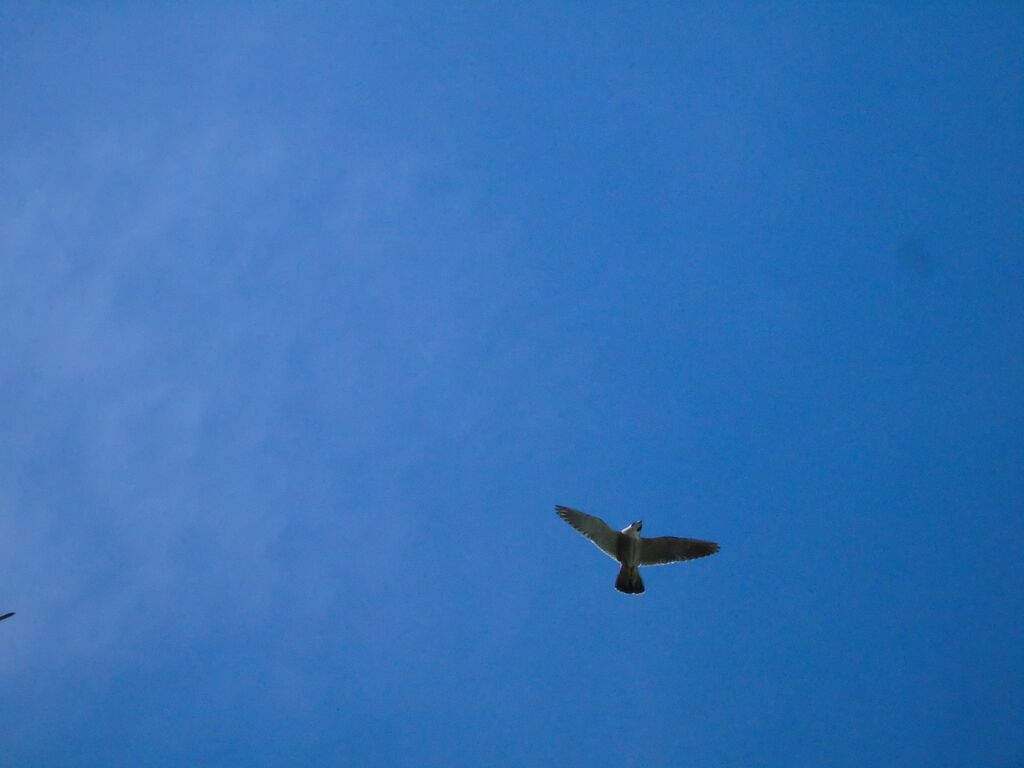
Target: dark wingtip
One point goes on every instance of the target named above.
(709, 550)
(6, 616)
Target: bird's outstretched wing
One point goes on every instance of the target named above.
(6, 616)
(670, 549)
(594, 528)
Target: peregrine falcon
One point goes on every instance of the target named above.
(628, 548)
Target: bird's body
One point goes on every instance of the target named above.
(628, 546)
(631, 550)
(627, 552)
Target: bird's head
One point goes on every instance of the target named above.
(636, 526)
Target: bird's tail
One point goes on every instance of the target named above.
(629, 581)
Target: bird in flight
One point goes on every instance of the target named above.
(633, 551)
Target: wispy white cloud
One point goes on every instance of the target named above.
(158, 291)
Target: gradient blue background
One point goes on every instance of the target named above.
(310, 316)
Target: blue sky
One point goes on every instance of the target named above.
(311, 315)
